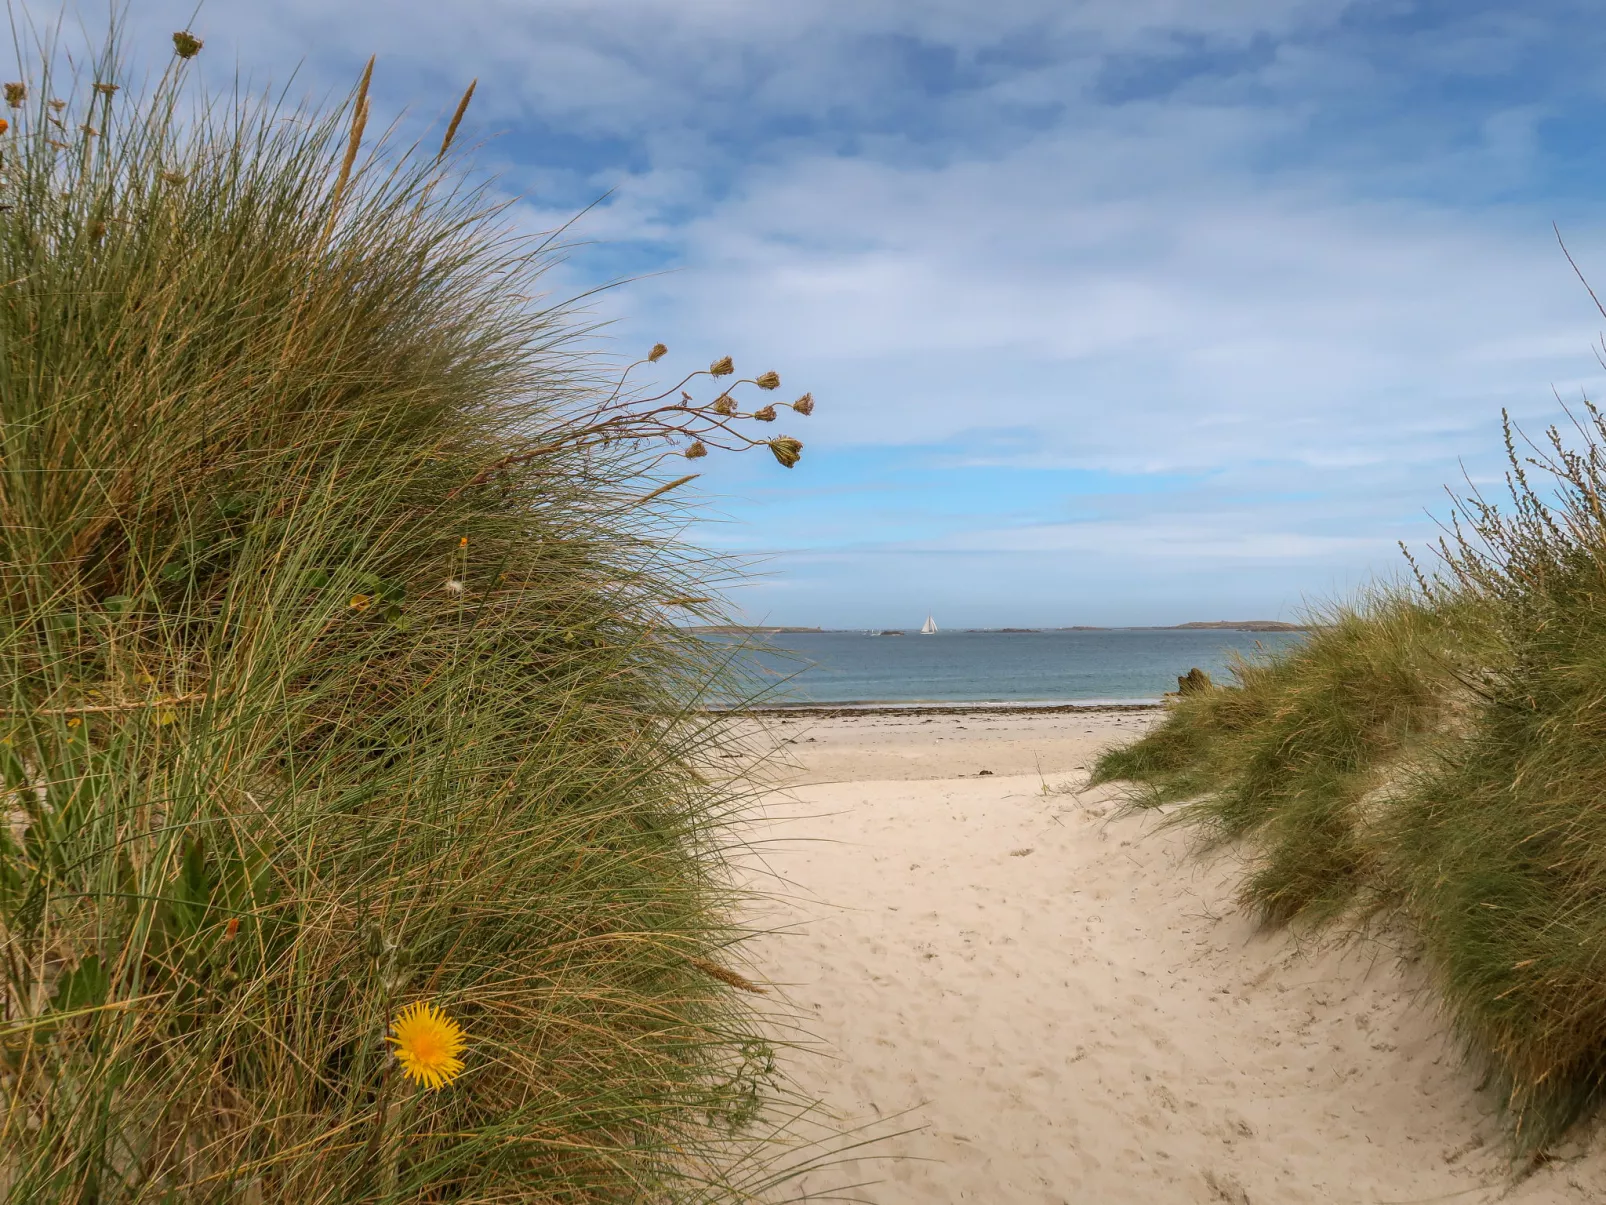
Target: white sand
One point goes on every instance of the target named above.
(1067, 1007)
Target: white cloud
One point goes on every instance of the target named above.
(952, 220)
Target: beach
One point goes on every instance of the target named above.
(1029, 995)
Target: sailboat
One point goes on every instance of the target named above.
(930, 628)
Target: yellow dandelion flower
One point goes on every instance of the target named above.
(359, 602)
(427, 1044)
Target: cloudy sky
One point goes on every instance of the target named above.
(1117, 311)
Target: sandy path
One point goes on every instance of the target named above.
(1071, 1010)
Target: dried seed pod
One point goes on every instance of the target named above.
(724, 405)
(804, 405)
(766, 415)
(16, 94)
(106, 89)
(658, 352)
(186, 45)
(696, 451)
(769, 380)
(786, 450)
(721, 367)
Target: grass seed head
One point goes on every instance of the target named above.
(15, 94)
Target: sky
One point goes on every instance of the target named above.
(1116, 312)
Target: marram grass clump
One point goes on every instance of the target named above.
(356, 846)
(1439, 754)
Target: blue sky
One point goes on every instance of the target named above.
(1123, 311)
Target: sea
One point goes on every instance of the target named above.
(1119, 665)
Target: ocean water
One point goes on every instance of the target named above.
(1118, 665)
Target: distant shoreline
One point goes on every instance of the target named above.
(1214, 625)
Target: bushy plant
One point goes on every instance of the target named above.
(339, 672)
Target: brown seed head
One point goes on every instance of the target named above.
(804, 405)
(766, 415)
(106, 89)
(172, 178)
(770, 380)
(89, 131)
(722, 367)
(186, 45)
(16, 94)
(696, 451)
(97, 231)
(658, 352)
(58, 105)
(786, 450)
(725, 405)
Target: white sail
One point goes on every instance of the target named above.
(931, 627)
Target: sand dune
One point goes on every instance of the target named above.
(1068, 1008)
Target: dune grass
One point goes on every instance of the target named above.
(1441, 753)
(306, 716)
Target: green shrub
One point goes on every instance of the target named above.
(337, 672)
(1502, 846)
